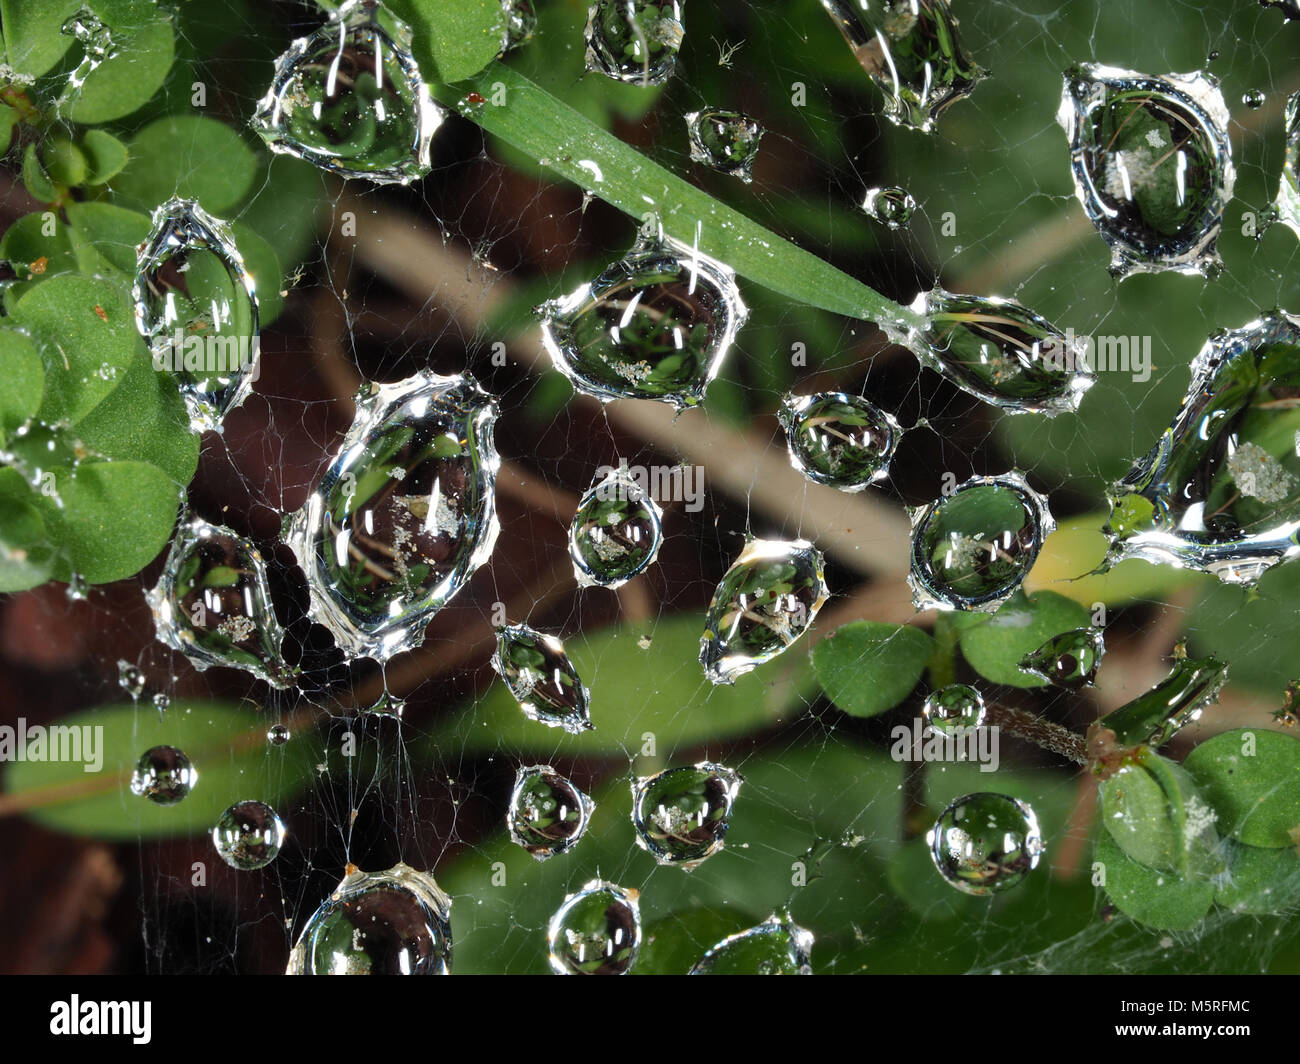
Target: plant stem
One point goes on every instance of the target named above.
(1054, 738)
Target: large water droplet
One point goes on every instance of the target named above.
(597, 931)
(634, 40)
(547, 814)
(655, 325)
(911, 51)
(777, 946)
(396, 922)
(616, 532)
(520, 24)
(764, 602)
(164, 775)
(1068, 660)
(954, 708)
(196, 307)
(725, 140)
(973, 548)
(404, 514)
(213, 604)
(1157, 715)
(1286, 205)
(1152, 165)
(681, 815)
(350, 99)
(542, 678)
(985, 843)
(892, 207)
(248, 835)
(1220, 490)
(839, 439)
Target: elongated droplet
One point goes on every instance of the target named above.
(386, 705)
(954, 708)
(655, 325)
(542, 678)
(196, 307)
(404, 514)
(1286, 205)
(996, 350)
(1157, 715)
(616, 532)
(681, 815)
(164, 775)
(891, 206)
(725, 140)
(520, 24)
(131, 679)
(248, 835)
(597, 931)
(1152, 165)
(1068, 660)
(764, 602)
(396, 922)
(777, 946)
(973, 548)
(985, 843)
(350, 99)
(911, 50)
(213, 604)
(547, 814)
(839, 439)
(97, 47)
(1220, 490)
(634, 40)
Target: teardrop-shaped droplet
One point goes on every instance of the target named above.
(404, 514)
(634, 40)
(350, 99)
(764, 602)
(839, 439)
(616, 532)
(196, 307)
(1220, 490)
(213, 604)
(97, 47)
(520, 23)
(725, 140)
(996, 350)
(1152, 165)
(911, 51)
(1157, 715)
(548, 814)
(972, 549)
(777, 946)
(954, 708)
(248, 835)
(164, 775)
(131, 679)
(1068, 660)
(985, 843)
(891, 206)
(597, 931)
(396, 922)
(542, 678)
(681, 815)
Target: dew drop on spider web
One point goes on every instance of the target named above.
(538, 672)
(777, 946)
(634, 40)
(97, 45)
(892, 207)
(839, 439)
(727, 141)
(278, 734)
(954, 708)
(681, 815)
(548, 814)
(520, 23)
(131, 679)
(985, 843)
(248, 835)
(597, 931)
(164, 775)
(1069, 660)
(1254, 99)
(616, 532)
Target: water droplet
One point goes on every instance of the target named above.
(1068, 660)
(350, 99)
(78, 589)
(196, 307)
(985, 843)
(213, 604)
(681, 815)
(278, 735)
(655, 325)
(548, 814)
(396, 922)
(404, 514)
(725, 140)
(764, 602)
(542, 678)
(996, 350)
(1254, 99)
(386, 705)
(1286, 205)
(161, 702)
(973, 548)
(634, 40)
(248, 835)
(1157, 715)
(97, 45)
(777, 946)
(954, 708)
(912, 52)
(839, 439)
(41, 452)
(131, 679)
(597, 931)
(1290, 8)
(1152, 165)
(1220, 490)
(164, 775)
(520, 24)
(892, 207)
(616, 532)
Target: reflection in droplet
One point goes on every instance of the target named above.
(891, 206)
(681, 815)
(839, 439)
(634, 40)
(725, 140)
(777, 946)
(1068, 660)
(278, 734)
(597, 931)
(1286, 205)
(520, 24)
(616, 532)
(985, 843)
(164, 775)
(548, 814)
(248, 835)
(953, 708)
(542, 678)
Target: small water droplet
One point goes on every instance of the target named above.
(839, 439)
(681, 815)
(777, 946)
(954, 708)
(520, 24)
(891, 206)
(278, 735)
(1254, 99)
(548, 814)
(131, 679)
(78, 589)
(386, 705)
(161, 702)
(1068, 660)
(985, 843)
(616, 532)
(597, 931)
(248, 835)
(725, 140)
(542, 678)
(634, 40)
(164, 775)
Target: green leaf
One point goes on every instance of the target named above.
(33, 254)
(458, 39)
(105, 154)
(1252, 779)
(104, 237)
(63, 160)
(23, 374)
(1259, 881)
(867, 667)
(35, 178)
(26, 554)
(127, 81)
(187, 155)
(913, 878)
(8, 120)
(1158, 899)
(32, 33)
(671, 946)
(995, 644)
